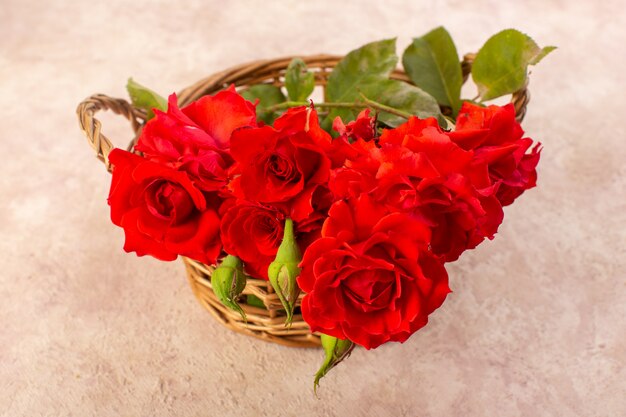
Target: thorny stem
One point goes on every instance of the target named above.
(379, 106)
(365, 103)
(287, 104)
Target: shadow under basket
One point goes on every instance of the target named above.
(267, 322)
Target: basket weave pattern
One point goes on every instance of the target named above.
(264, 323)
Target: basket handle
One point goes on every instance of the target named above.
(91, 126)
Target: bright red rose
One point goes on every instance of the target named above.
(196, 138)
(370, 278)
(284, 164)
(162, 212)
(496, 139)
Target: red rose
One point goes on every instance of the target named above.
(253, 233)
(496, 139)
(417, 169)
(370, 277)
(196, 139)
(162, 212)
(358, 173)
(315, 201)
(283, 164)
(423, 171)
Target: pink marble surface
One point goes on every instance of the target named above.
(536, 323)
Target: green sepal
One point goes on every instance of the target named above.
(228, 282)
(336, 350)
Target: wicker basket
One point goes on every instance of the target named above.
(264, 323)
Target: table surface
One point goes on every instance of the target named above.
(535, 325)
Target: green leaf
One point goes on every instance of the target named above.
(541, 55)
(144, 98)
(368, 64)
(432, 63)
(501, 65)
(268, 95)
(401, 96)
(298, 81)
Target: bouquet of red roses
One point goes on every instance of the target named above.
(358, 199)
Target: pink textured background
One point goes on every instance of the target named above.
(536, 323)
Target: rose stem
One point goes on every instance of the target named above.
(367, 103)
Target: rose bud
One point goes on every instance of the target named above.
(336, 350)
(228, 281)
(284, 270)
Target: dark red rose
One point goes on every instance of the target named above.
(358, 173)
(423, 171)
(162, 212)
(417, 169)
(283, 164)
(253, 233)
(315, 201)
(524, 176)
(363, 128)
(196, 139)
(370, 278)
(496, 139)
